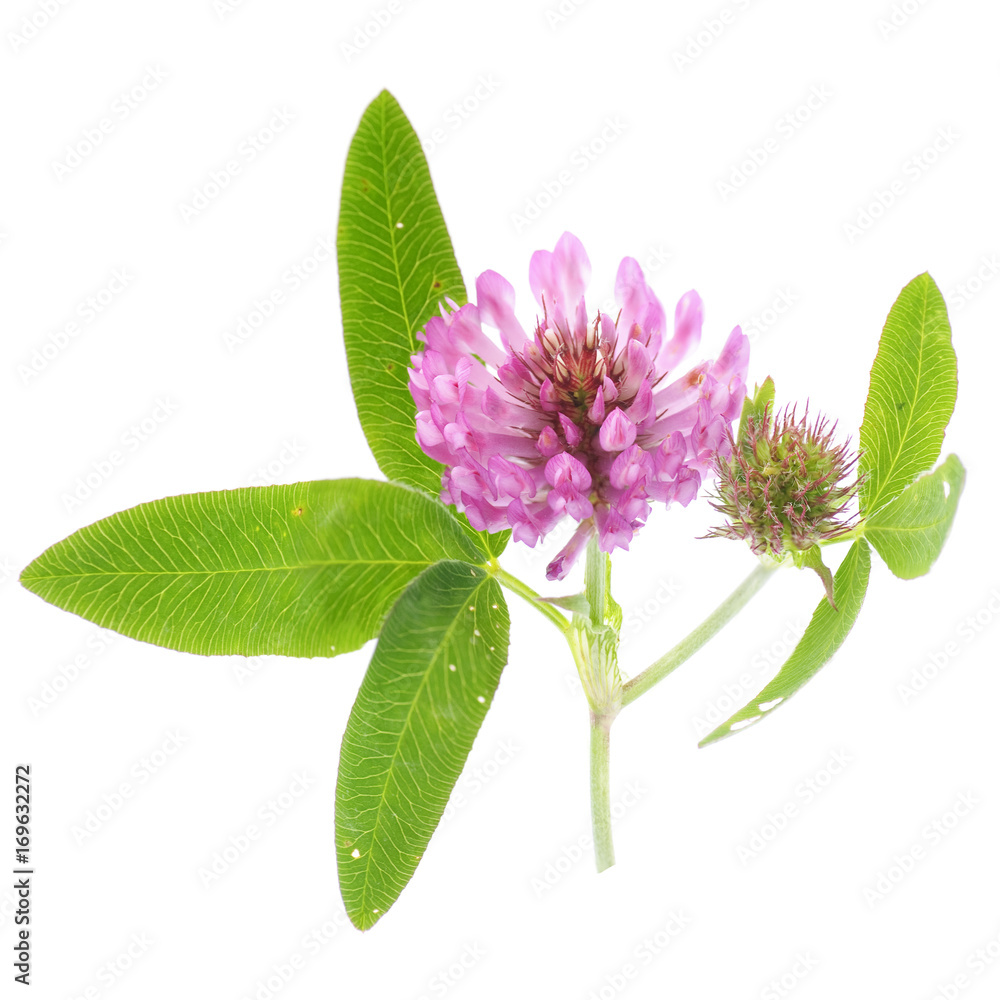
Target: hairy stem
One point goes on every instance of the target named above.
(595, 581)
(600, 790)
(697, 638)
(602, 682)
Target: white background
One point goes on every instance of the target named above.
(505, 883)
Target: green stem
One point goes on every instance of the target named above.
(513, 584)
(603, 687)
(690, 645)
(600, 790)
(595, 581)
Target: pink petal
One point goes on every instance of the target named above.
(565, 468)
(523, 528)
(495, 298)
(669, 456)
(637, 366)
(470, 481)
(430, 438)
(460, 334)
(559, 279)
(418, 388)
(633, 507)
(432, 364)
(609, 333)
(630, 468)
(510, 479)
(548, 443)
(615, 531)
(642, 405)
(688, 318)
(459, 435)
(734, 357)
(687, 486)
(639, 306)
(468, 336)
(617, 432)
(571, 432)
(708, 433)
(498, 406)
(596, 411)
(570, 552)
(737, 393)
(568, 499)
(549, 396)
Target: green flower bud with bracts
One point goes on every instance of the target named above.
(785, 486)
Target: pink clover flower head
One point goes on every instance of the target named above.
(583, 418)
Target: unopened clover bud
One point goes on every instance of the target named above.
(786, 485)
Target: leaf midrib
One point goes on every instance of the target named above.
(903, 437)
(908, 527)
(395, 754)
(390, 225)
(249, 569)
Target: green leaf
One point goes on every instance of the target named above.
(427, 690)
(762, 401)
(914, 381)
(822, 638)
(308, 569)
(910, 532)
(396, 265)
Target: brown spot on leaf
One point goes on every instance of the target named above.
(297, 512)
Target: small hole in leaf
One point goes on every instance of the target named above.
(481, 700)
(743, 723)
(947, 489)
(355, 853)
